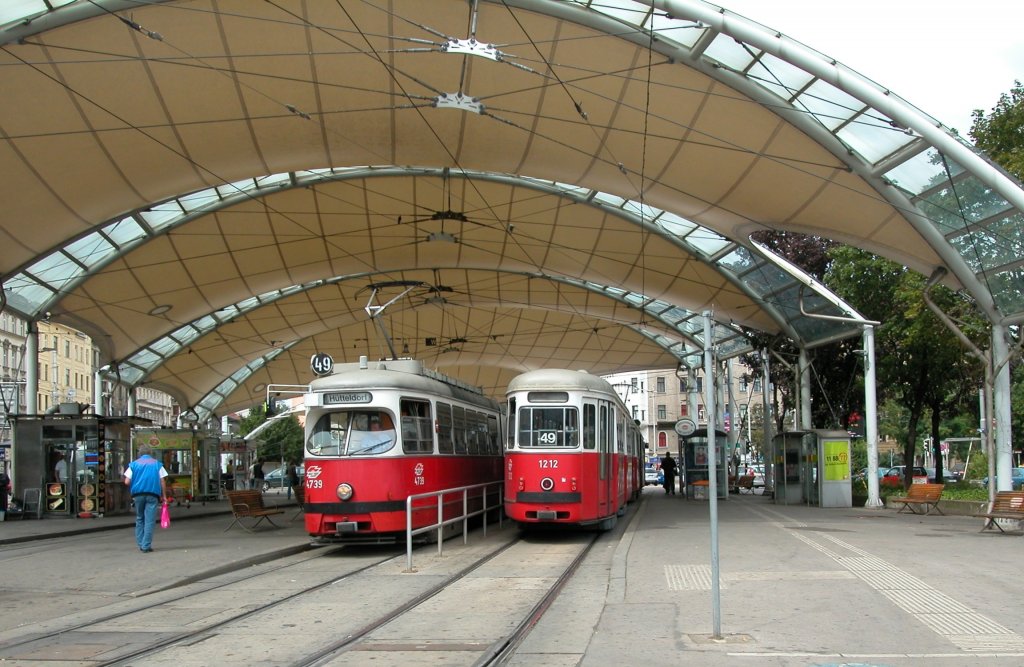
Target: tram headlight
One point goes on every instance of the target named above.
(547, 484)
(345, 491)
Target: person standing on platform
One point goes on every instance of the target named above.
(146, 482)
(291, 476)
(668, 466)
(257, 474)
(5, 488)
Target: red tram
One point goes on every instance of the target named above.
(379, 432)
(574, 454)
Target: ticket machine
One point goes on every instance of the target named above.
(787, 454)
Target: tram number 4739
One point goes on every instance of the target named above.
(547, 463)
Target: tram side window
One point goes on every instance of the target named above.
(589, 426)
(604, 438)
(548, 427)
(445, 443)
(620, 431)
(472, 432)
(510, 436)
(459, 429)
(493, 436)
(417, 434)
(328, 435)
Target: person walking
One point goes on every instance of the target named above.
(145, 478)
(668, 465)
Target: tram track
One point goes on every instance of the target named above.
(476, 601)
(188, 592)
(197, 634)
(499, 646)
(478, 612)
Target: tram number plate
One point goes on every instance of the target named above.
(547, 463)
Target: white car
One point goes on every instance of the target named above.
(650, 476)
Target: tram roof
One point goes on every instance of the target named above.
(209, 188)
(555, 379)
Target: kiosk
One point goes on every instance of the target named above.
(693, 452)
(74, 463)
(176, 449)
(812, 468)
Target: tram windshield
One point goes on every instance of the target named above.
(352, 433)
(549, 427)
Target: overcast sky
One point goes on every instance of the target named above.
(946, 57)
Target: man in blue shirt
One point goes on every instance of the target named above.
(145, 479)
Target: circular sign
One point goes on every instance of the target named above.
(322, 364)
(685, 427)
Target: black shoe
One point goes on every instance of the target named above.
(147, 551)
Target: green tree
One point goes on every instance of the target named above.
(920, 363)
(1001, 133)
(256, 415)
(281, 440)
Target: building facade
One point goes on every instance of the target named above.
(156, 406)
(66, 362)
(659, 398)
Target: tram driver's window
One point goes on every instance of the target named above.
(328, 436)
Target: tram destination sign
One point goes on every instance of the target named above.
(336, 397)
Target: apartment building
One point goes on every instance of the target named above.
(659, 398)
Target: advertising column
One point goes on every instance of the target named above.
(834, 468)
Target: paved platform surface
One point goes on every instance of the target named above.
(798, 585)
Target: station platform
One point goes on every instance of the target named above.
(798, 585)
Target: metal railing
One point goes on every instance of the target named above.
(441, 522)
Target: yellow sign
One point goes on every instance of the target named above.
(837, 460)
(164, 439)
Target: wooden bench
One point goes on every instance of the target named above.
(249, 505)
(1007, 505)
(920, 495)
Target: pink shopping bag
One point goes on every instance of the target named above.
(165, 516)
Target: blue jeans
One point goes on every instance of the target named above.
(145, 517)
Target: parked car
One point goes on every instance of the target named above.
(275, 478)
(650, 476)
(1016, 479)
(948, 477)
(894, 475)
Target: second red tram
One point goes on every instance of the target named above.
(379, 432)
(574, 454)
